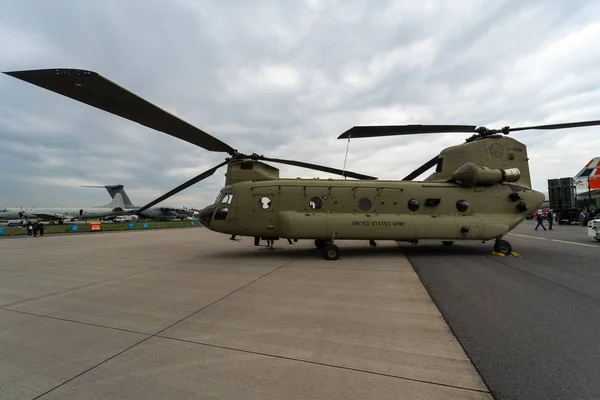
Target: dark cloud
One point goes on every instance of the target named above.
(284, 80)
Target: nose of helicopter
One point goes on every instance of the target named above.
(206, 215)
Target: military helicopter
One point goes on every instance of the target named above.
(480, 190)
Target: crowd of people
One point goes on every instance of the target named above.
(35, 228)
(584, 217)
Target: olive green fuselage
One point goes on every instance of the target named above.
(349, 209)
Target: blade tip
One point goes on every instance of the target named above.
(346, 134)
(49, 71)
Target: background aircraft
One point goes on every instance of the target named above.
(159, 212)
(587, 181)
(115, 207)
(120, 205)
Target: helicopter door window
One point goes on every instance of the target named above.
(264, 203)
(315, 203)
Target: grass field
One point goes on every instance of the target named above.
(85, 227)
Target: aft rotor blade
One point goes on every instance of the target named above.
(181, 187)
(557, 126)
(421, 169)
(95, 90)
(319, 168)
(392, 130)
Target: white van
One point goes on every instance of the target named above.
(126, 218)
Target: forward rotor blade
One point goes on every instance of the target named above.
(557, 126)
(181, 187)
(392, 130)
(421, 169)
(95, 90)
(319, 168)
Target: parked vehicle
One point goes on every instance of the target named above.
(563, 200)
(126, 218)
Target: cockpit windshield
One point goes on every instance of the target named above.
(4, 211)
(227, 198)
(224, 194)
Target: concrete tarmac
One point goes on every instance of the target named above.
(531, 324)
(187, 313)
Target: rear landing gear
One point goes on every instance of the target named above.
(331, 252)
(503, 246)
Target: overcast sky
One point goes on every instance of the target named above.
(284, 79)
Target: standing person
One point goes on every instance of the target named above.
(36, 228)
(550, 219)
(41, 230)
(29, 229)
(540, 221)
(582, 218)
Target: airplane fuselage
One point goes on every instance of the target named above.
(58, 213)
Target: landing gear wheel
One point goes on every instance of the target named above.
(597, 239)
(331, 252)
(320, 243)
(447, 242)
(372, 243)
(503, 246)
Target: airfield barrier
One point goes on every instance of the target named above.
(94, 227)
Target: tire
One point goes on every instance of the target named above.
(331, 252)
(320, 243)
(447, 242)
(503, 246)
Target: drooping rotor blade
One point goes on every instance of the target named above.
(421, 169)
(181, 187)
(391, 130)
(95, 90)
(557, 126)
(319, 168)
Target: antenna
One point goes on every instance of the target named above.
(346, 158)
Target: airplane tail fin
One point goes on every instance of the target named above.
(113, 191)
(117, 203)
(588, 178)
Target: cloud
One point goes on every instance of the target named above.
(284, 80)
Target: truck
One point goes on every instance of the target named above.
(563, 200)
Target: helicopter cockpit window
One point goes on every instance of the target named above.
(264, 203)
(227, 198)
(221, 214)
(4, 211)
(315, 203)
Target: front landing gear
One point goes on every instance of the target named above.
(331, 252)
(503, 246)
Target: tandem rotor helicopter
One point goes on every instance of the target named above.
(480, 190)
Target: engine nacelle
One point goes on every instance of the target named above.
(473, 175)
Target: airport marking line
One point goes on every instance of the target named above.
(554, 240)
